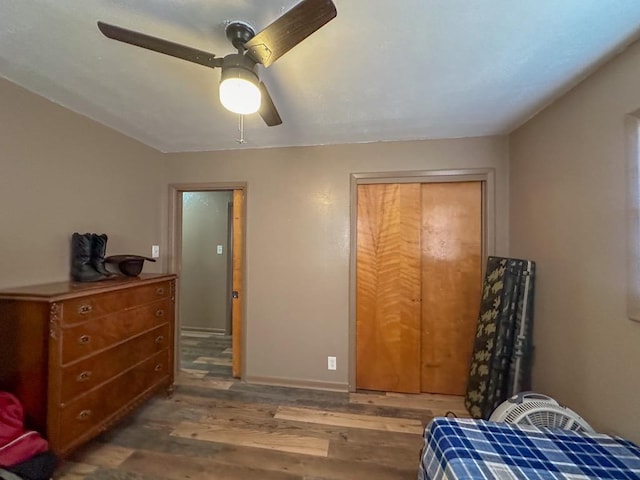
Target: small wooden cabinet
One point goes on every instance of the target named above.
(80, 356)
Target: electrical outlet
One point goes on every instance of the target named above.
(155, 251)
(331, 363)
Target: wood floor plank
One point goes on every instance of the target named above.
(201, 380)
(383, 400)
(194, 372)
(144, 438)
(437, 405)
(264, 419)
(74, 471)
(217, 401)
(292, 397)
(213, 361)
(309, 466)
(391, 456)
(169, 412)
(175, 467)
(429, 397)
(254, 414)
(103, 455)
(304, 445)
(265, 464)
(196, 334)
(349, 420)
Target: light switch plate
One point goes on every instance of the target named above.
(331, 363)
(155, 251)
(219, 250)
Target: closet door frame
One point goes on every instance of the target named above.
(484, 175)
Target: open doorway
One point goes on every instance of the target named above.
(205, 287)
(207, 253)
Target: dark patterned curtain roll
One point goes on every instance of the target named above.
(501, 360)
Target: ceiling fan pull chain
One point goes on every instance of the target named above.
(241, 129)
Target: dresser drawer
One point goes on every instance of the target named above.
(80, 309)
(83, 416)
(97, 334)
(86, 374)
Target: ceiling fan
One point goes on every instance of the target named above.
(241, 91)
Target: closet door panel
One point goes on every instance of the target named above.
(388, 288)
(451, 282)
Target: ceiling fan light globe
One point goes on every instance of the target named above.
(240, 96)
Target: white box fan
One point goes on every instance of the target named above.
(535, 409)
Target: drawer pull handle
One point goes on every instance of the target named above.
(84, 414)
(158, 367)
(159, 339)
(159, 313)
(84, 376)
(84, 309)
(84, 339)
(160, 291)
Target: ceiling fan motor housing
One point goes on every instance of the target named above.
(239, 33)
(236, 65)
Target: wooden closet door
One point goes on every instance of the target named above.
(451, 283)
(388, 288)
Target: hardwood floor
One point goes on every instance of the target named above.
(205, 354)
(215, 427)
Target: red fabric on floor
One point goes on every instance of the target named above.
(16, 443)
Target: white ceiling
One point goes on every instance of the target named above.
(382, 70)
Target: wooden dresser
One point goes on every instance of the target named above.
(80, 356)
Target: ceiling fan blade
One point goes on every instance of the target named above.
(159, 45)
(289, 30)
(268, 110)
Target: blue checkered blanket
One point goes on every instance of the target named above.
(477, 449)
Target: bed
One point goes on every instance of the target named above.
(477, 449)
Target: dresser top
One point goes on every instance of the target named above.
(51, 292)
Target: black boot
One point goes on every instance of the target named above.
(98, 251)
(81, 269)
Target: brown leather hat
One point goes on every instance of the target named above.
(130, 265)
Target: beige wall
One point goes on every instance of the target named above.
(297, 251)
(567, 200)
(203, 273)
(61, 172)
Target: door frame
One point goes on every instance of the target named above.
(175, 259)
(484, 175)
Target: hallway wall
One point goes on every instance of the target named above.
(203, 277)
